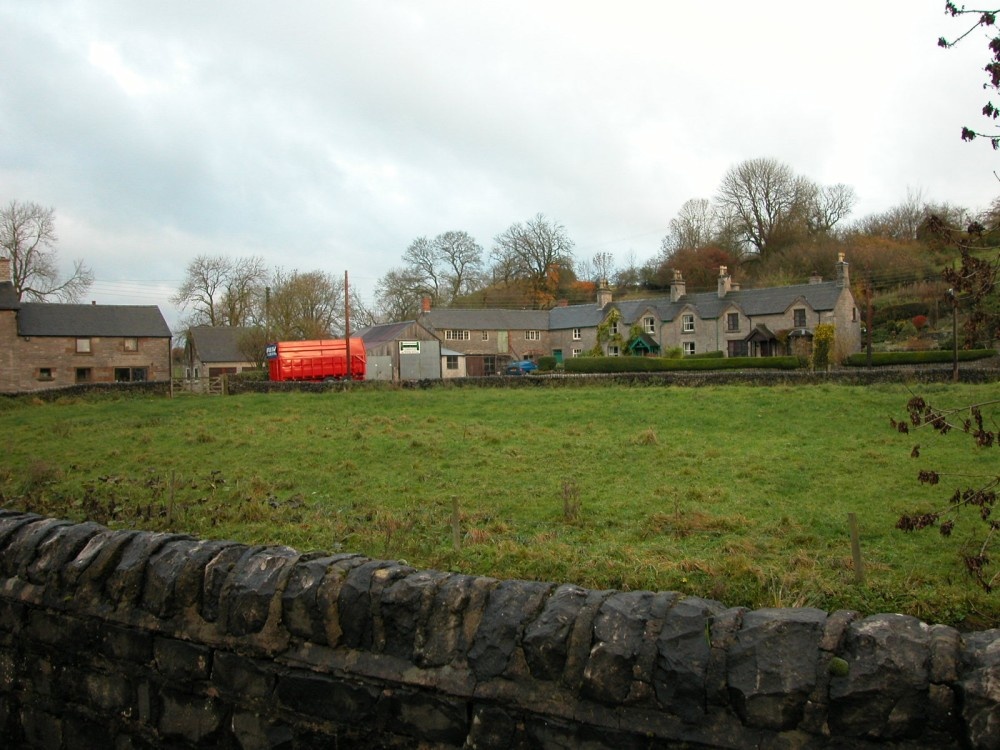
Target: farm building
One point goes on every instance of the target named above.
(211, 351)
(51, 345)
(401, 351)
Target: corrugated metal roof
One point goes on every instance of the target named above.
(384, 333)
(52, 319)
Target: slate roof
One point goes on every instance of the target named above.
(488, 319)
(52, 319)
(708, 305)
(753, 302)
(218, 343)
(575, 316)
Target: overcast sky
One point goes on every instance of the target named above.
(328, 134)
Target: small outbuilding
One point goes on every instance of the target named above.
(401, 351)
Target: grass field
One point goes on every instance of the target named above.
(734, 493)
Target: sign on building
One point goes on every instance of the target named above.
(409, 347)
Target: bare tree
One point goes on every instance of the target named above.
(241, 296)
(421, 262)
(765, 198)
(221, 291)
(629, 274)
(604, 266)
(398, 295)
(828, 205)
(443, 268)
(533, 252)
(306, 305)
(900, 222)
(28, 237)
(695, 226)
(462, 258)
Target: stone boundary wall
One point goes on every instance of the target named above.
(145, 388)
(135, 639)
(975, 373)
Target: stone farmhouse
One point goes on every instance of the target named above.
(737, 322)
(49, 345)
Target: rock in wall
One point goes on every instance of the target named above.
(134, 639)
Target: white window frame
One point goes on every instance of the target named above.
(688, 347)
(687, 323)
(649, 323)
(486, 335)
(455, 334)
(578, 352)
(614, 351)
(577, 334)
(532, 335)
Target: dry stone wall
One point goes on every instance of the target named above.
(138, 640)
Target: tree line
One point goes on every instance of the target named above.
(768, 225)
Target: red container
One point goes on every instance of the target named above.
(315, 360)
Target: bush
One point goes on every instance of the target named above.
(935, 356)
(660, 364)
(547, 363)
(707, 355)
(823, 338)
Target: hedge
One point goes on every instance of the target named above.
(932, 356)
(706, 355)
(659, 364)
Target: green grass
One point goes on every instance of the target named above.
(735, 493)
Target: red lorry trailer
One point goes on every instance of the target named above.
(315, 360)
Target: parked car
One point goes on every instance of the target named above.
(521, 367)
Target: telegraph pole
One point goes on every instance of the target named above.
(347, 325)
(954, 334)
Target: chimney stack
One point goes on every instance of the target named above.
(725, 282)
(677, 287)
(425, 304)
(843, 274)
(5, 270)
(603, 294)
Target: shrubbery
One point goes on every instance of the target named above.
(660, 364)
(935, 356)
(546, 363)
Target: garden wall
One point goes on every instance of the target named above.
(970, 372)
(134, 639)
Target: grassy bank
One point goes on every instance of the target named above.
(734, 493)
